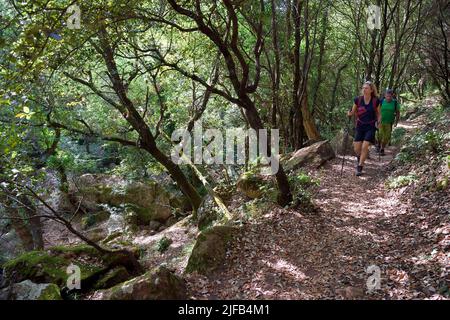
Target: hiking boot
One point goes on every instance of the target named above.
(378, 147)
(382, 152)
(359, 170)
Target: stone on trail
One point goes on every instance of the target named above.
(314, 155)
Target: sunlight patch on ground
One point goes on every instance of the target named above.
(284, 266)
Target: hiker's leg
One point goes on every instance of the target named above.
(385, 134)
(357, 147)
(359, 137)
(369, 137)
(390, 132)
(382, 135)
(364, 152)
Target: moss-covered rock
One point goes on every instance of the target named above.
(210, 248)
(112, 277)
(50, 266)
(28, 290)
(143, 216)
(158, 284)
(93, 219)
(51, 292)
(38, 266)
(148, 198)
(250, 184)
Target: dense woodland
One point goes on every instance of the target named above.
(92, 91)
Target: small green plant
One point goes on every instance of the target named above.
(405, 155)
(303, 180)
(398, 135)
(400, 181)
(300, 183)
(163, 244)
(434, 141)
(253, 209)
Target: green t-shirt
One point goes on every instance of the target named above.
(388, 111)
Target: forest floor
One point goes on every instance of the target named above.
(291, 254)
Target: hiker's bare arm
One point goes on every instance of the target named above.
(352, 112)
(378, 111)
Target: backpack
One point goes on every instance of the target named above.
(374, 99)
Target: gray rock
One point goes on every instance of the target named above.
(148, 199)
(337, 143)
(154, 225)
(28, 290)
(314, 155)
(210, 249)
(158, 284)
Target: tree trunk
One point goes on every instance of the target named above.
(20, 227)
(276, 72)
(308, 121)
(35, 224)
(285, 195)
(130, 113)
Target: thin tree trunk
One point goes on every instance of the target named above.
(276, 72)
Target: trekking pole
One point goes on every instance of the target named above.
(345, 142)
(379, 151)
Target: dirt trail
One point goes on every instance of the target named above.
(324, 255)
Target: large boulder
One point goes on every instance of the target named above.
(28, 290)
(51, 266)
(10, 246)
(112, 278)
(210, 249)
(38, 266)
(158, 284)
(149, 200)
(92, 219)
(314, 155)
(179, 201)
(337, 143)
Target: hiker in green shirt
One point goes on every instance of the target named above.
(390, 114)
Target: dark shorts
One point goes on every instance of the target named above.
(365, 134)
